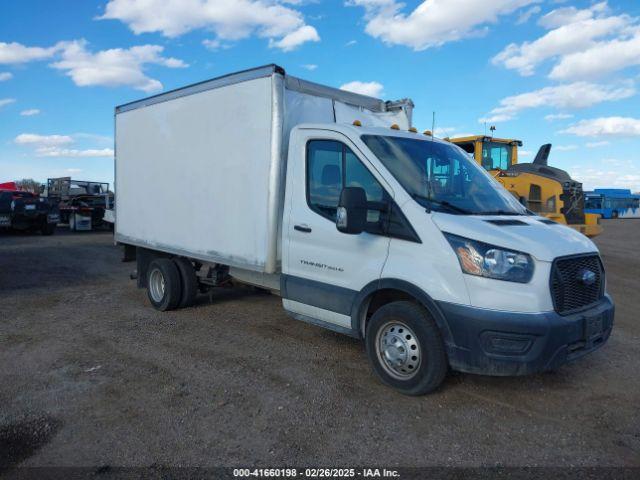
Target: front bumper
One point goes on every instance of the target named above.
(490, 342)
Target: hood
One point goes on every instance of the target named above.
(529, 234)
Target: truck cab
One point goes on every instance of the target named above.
(502, 286)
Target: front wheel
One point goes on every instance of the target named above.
(405, 348)
(614, 214)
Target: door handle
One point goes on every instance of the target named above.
(302, 228)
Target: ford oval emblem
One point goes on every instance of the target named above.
(586, 277)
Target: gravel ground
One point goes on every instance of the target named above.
(92, 376)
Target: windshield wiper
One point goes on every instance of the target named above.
(498, 212)
(442, 203)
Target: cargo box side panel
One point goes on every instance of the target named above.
(192, 174)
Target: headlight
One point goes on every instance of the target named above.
(484, 260)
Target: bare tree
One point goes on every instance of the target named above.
(28, 185)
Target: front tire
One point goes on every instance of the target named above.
(163, 284)
(405, 348)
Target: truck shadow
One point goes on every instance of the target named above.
(21, 439)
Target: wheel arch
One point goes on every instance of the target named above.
(383, 291)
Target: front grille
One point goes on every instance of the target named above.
(569, 291)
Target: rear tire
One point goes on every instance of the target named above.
(163, 284)
(48, 228)
(189, 282)
(405, 348)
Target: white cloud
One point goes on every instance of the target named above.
(282, 25)
(350, 43)
(557, 116)
(527, 14)
(606, 127)
(15, 53)
(43, 140)
(4, 76)
(433, 22)
(569, 96)
(610, 173)
(214, 44)
(113, 67)
(73, 153)
(604, 143)
(372, 89)
(294, 39)
(584, 44)
(565, 148)
(605, 57)
(6, 101)
(30, 112)
(58, 146)
(310, 66)
(524, 153)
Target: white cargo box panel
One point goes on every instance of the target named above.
(199, 170)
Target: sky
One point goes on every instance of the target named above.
(541, 71)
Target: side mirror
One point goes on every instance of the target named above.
(351, 217)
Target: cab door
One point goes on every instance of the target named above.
(324, 269)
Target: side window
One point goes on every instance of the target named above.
(470, 148)
(324, 176)
(330, 167)
(357, 175)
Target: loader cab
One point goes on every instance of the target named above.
(493, 154)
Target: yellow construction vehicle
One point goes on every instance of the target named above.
(545, 190)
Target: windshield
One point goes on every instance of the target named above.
(441, 176)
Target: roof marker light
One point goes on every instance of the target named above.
(357, 123)
(395, 127)
(428, 132)
(413, 130)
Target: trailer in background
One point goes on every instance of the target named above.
(82, 203)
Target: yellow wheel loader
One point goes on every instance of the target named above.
(545, 190)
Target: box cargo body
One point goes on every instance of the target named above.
(199, 170)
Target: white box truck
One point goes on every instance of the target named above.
(360, 223)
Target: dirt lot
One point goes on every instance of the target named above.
(91, 375)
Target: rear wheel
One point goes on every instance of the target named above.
(48, 228)
(405, 348)
(188, 280)
(163, 284)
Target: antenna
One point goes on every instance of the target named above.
(433, 125)
(493, 129)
